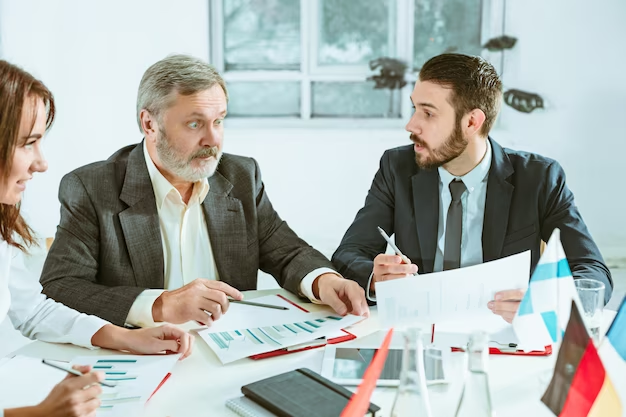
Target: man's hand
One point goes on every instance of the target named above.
(169, 339)
(506, 303)
(194, 301)
(343, 295)
(388, 267)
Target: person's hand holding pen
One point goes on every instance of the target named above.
(201, 300)
(75, 396)
(387, 267)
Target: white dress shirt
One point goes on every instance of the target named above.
(473, 201)
(31, 312)
(187, 252)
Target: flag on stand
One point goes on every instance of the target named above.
(580, 386)
(544, 311)
(612, 351)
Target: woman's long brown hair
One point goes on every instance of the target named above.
(16, 87)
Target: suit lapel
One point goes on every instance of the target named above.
(227, 230)
(426, 206)
(140, 223)
(497, 204)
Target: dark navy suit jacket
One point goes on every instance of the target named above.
(527, 198)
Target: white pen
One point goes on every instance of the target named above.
(74, 372)
(394, 247)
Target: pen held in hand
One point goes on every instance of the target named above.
(405, 260)
(74, 372)
(251, 303)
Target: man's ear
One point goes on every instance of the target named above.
(473, 122)
(148, 124)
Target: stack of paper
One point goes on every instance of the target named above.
(249, 330)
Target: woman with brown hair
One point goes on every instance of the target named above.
(26, 112)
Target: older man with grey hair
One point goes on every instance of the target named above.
(168, 229)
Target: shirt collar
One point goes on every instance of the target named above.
(162, 187)
(473, 178)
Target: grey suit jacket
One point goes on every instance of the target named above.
(108, 248)
(527, 198)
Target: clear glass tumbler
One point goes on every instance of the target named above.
(591, 294)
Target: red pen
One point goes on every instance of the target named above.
(169, 374)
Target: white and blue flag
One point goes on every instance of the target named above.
(544, 311)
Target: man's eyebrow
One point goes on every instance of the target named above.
(423, 104)
(429, 105)
(202, 116)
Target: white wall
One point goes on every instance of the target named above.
(572, 52)
(92, 56)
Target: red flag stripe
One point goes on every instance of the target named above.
(359, 403)
(586, 384)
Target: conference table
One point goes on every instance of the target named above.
(200, 384)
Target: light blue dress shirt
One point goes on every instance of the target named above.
(473, 202)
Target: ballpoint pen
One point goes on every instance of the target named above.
(251, 303)
(394, 247)
(74, 372)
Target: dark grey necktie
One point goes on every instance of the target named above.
(454, 227)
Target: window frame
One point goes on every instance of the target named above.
(402, 16)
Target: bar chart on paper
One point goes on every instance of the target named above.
(418, 309)
(135, 379)
(237, 344)
(270, 335)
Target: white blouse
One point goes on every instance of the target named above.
(31, 312)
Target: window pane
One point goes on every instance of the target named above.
(446, 26)
(354, 31)
(353, 99)
(258, 99)
(261, 34)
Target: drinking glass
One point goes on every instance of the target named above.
(591, 294)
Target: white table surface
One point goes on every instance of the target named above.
(200, 385)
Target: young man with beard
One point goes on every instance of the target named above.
(168, 229)
(455, 198)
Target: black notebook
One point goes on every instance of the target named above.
(301, 393)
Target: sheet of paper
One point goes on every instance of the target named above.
(456, 333)
(26, 381)
(136, 378)
(449, 295)
(238, 343)
(241, 316)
